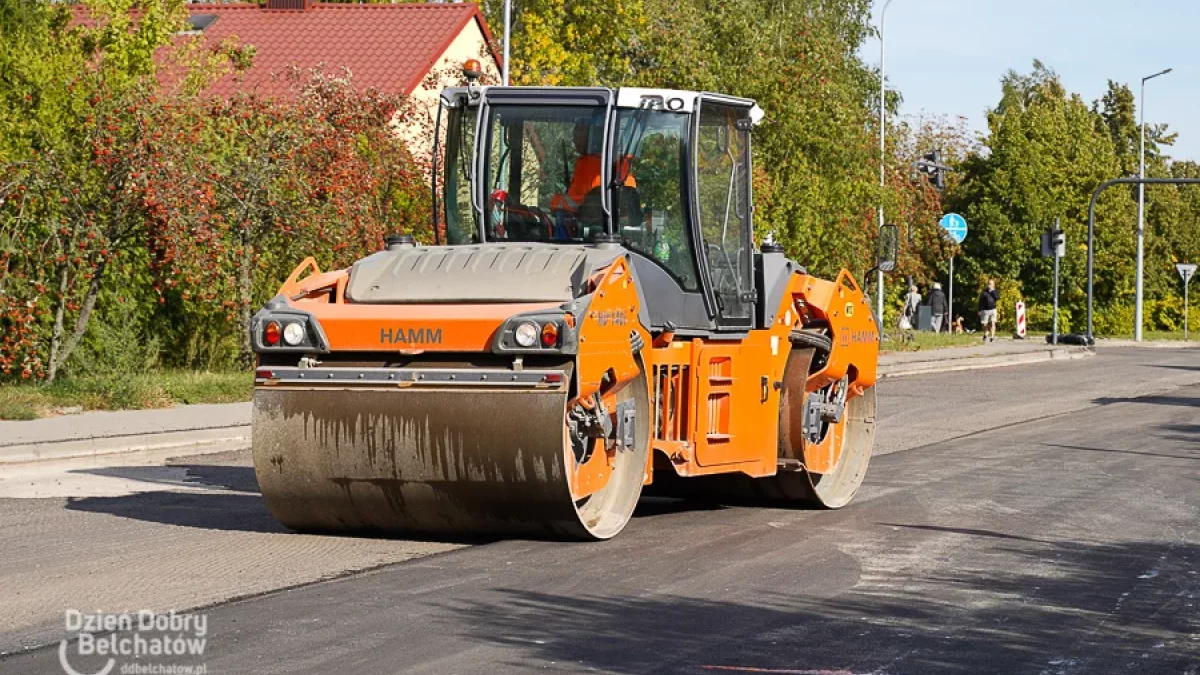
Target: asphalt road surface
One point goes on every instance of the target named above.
(1035, 519)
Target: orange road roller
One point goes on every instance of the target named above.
(591, 324)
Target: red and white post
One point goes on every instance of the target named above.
(1021, 320)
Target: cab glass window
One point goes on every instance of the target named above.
(544, 173)
(649, 179)
(459, 214)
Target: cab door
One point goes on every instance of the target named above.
(721, 184)
(734, 396)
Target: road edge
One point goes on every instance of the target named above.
(980, 362)
(197, 438)
(109, 445)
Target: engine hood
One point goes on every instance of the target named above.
(483, 273)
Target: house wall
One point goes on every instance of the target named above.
(468, 44)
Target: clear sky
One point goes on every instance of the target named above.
(947, 56)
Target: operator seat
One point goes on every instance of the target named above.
(627, 205)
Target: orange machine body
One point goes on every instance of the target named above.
(716, 399)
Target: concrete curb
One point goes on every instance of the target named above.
(945, 365)
(199, 439)
(1148, 344)
(107, 445)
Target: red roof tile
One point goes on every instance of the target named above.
(387, 47)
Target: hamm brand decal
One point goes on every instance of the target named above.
(858, 337)
(410, 336)
(611, 317)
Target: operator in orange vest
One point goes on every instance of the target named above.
(587, 174)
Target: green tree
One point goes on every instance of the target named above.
(1044, 154)
(570, 42)
(125, 198)
(73, 98)
(247, 188)
(798, 59)
(1118, 111)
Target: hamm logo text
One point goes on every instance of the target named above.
(410, 336)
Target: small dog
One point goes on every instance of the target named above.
(957, 327)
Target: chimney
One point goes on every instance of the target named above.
(290, 5)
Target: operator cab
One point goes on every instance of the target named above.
(664, 172)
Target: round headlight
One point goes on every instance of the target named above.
(293, 334)
(526, 334)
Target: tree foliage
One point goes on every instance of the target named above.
(119, 188)
(798, 60)
(1044, 154)
(249, 187)
(126, 197)
(570, 42)
(71, 103)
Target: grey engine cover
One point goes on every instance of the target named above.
(500, 272)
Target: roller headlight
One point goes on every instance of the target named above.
(526, 334)
(293, 333)
(271, 334)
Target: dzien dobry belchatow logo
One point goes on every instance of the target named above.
(134, 643)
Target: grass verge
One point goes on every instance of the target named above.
(1166, 335)
(921, 340)
(156, 389)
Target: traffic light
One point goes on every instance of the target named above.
(936, 172)
(931, 165)
(1054, 243)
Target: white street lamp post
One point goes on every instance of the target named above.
(507, 33)
(1141, 224)
(882, 149)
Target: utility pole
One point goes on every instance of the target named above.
(1141, 224)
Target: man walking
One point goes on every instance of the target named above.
(937, 306)
(987, 310)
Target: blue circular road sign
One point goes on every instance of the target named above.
(955, 225)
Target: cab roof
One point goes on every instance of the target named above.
(677, 100)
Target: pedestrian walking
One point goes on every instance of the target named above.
(987, 311)
(908, 316)
(937, 307)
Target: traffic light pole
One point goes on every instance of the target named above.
(950, 301)
(1054, 329)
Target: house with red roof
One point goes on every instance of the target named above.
(389, 47)
(394, 48)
